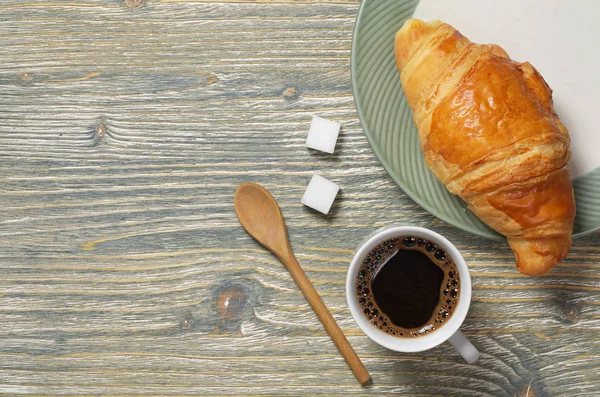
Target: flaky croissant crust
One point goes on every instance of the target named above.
(489, 132)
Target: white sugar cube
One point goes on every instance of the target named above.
(323, 134)
(320, 194)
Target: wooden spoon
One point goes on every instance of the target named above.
(260, 215)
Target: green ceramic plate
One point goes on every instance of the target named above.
(387, 121)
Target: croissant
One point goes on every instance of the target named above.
(490, 134)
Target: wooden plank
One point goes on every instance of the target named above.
(125, 128)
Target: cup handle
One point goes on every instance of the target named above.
(464, 347)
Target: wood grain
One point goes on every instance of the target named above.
(124, 132)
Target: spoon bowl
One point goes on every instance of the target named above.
(260, 215)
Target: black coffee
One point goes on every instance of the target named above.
(408, 287)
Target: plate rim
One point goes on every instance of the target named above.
(383, 161)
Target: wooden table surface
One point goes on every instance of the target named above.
(125, 128)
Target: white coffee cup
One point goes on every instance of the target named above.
(449, 331)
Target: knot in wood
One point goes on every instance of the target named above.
(571, 312)
(186, 322)
(26, 76)
(100, 130)
(290, 92)
(134, 3)
(527, 391)
(231, 302)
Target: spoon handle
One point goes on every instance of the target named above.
(312, 296)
